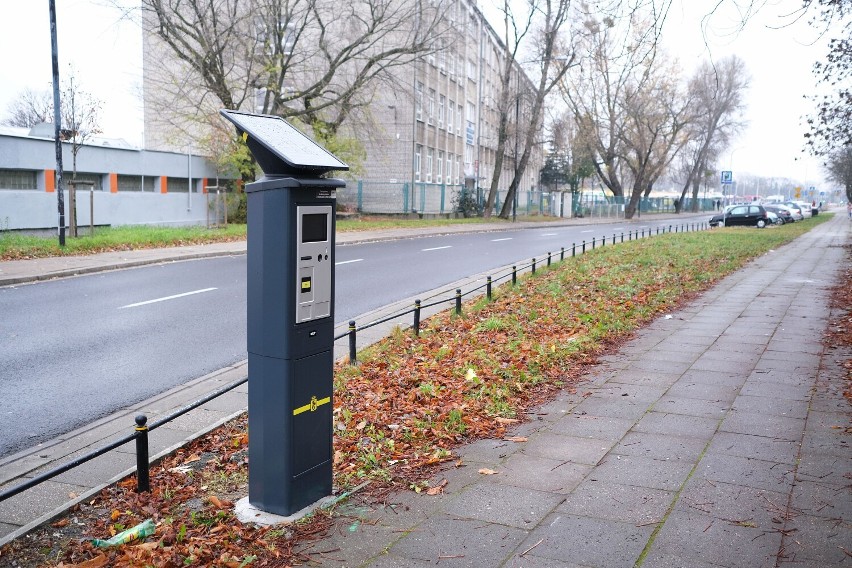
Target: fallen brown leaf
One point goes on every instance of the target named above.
(438, 489)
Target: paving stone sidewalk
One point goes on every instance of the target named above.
(715, 438)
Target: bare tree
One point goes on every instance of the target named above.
(656, 116)
(838, 166)
(718, 95)
(80, 112)
(553, 56)
(315, 61)
(79, 117)
(831, 127)
(29, 108)
(617, 55)
(516, 26)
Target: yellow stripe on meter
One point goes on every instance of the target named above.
(312, 406)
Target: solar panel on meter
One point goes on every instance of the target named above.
(279, 147)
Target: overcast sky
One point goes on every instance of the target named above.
(106, 55)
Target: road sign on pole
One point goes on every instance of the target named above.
(727, 177)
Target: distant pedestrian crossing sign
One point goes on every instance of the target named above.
(727, 177)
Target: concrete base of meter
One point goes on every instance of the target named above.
(290, 432)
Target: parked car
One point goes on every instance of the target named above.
(785, 215)
(719, 218)
(751, 215)
(773, 218)
(803, 208)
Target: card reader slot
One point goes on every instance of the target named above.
(309, 257)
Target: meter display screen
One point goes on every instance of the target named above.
(314, 227)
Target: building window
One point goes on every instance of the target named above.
(431, 106)
(429, 165)
(178, 185)
(451, 64)
(449, 169)
(458, 118)
(442, 102)
(18, 179)
(96, 179)
(458, 169)
(418, 100)
(440, 168)
(471, 69)
(132, 183)
(418, 154)
(470, 130)
(468, 153)
(451, 110)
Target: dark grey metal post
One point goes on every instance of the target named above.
(352, 343)
(143, 477)
(417, 317)
(57, 122)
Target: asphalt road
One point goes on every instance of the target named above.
(77, 349)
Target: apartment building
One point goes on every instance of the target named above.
(430, 136)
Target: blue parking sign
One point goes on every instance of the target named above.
(727, 176)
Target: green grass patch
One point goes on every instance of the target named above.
(14, 246)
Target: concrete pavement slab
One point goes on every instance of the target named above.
(694, 537)
(542, 474)
(615, 502)
(734, 504)
(604, 428)
(761, 447)
(751, 472)
(631, 410)
(642, 472)
(818, 541)
(677, 424)
(766, 425)
(686, 388)
(759, 387)
(770, 406)
(494, 502)
(588, 541)
(566, 448)
(454, 541)
(666, 447)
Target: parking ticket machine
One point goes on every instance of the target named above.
(290, 299)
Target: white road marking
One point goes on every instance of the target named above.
(348, 261)
(549, 234)
(136, 305)
(503, 239)
(437, 248)
(587, 231)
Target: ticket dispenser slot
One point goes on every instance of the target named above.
(290, 309)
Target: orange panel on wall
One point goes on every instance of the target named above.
(50, 181)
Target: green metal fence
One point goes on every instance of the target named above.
(429, 198)
(368, 197)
